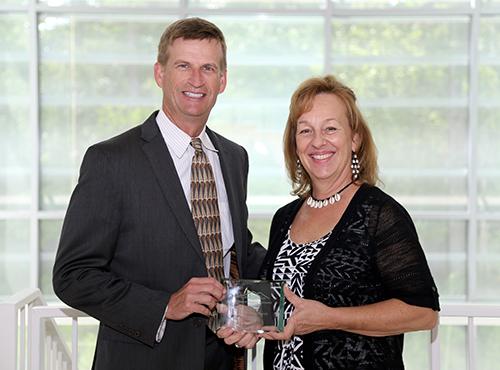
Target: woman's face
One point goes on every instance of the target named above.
(325, 141)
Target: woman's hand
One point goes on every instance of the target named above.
(389, 317)
(308, 316)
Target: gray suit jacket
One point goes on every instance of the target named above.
(128, 242)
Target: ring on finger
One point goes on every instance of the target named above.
(237, 346)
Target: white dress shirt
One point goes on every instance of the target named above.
(181, 151)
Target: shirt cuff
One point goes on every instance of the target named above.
(163, 325)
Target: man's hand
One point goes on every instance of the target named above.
(239, 338)
(247, 321)
(198, 295)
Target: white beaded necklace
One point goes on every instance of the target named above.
(320, 203)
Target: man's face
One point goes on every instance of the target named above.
(191, 79)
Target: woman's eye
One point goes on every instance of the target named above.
(330, 129)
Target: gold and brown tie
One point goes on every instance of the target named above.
(205, 210)
(206, 216)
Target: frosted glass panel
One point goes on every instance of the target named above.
(260, 229)
(261, 4)
(111, 3)
(263, 71)
(14, 2)
(96, 81)
(50, 230)
(488, 356)
(15, 130)
(444, 244)
(416, 350)
(490, 4)
(453, 347)
(410, 75)
(489, 115)
(400, 4)
(14, 256)
(488, 260)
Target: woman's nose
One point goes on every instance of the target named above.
(318, 139)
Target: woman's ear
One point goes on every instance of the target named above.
(355, 143)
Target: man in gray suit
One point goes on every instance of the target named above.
(129, 253)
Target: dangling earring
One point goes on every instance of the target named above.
(298, 172)
(355, 166)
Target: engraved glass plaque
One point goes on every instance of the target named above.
(253, 306)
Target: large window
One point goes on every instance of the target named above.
(426, 73)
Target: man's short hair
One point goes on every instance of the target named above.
(191, 29)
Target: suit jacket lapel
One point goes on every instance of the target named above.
(163, 167)
(234, 196)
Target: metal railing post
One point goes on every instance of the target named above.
(8, 336)
(435, 349)
(34, 340)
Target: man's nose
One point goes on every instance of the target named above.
(196, 77)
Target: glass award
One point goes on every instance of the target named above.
(252, 306)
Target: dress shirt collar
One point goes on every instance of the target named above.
(177, 139)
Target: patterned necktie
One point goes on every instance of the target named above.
(205, 210)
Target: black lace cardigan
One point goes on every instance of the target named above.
(372, 255)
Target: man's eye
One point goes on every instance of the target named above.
(209, 68)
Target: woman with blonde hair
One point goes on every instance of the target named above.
(356, 274)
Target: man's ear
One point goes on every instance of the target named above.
(223, 82)
(158, 73)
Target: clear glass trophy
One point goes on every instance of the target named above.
(252, 306)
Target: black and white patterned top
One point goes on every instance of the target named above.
(292, 263)
(373, 254)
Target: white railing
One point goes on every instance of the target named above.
(23, 333)
(474, 314)
(44, 341)
(30, 338)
